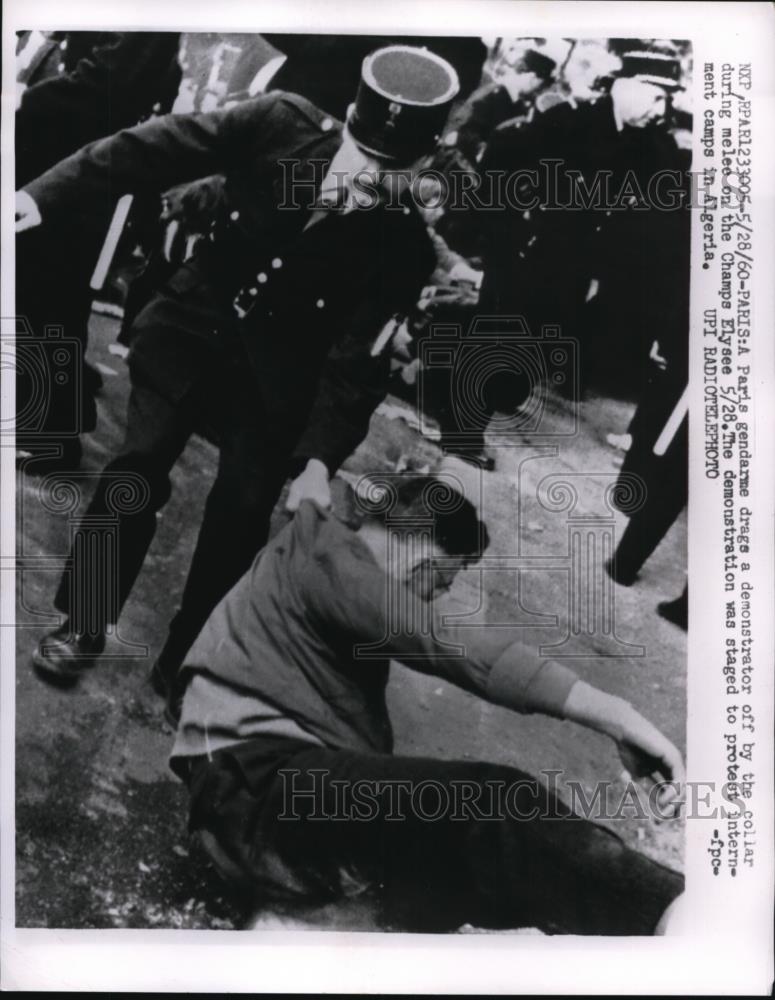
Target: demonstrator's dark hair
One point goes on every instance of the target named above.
(409, 501)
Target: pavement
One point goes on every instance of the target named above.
(101, 836)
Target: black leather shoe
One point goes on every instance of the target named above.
(622, 575)
(61, 657)
(676, 611)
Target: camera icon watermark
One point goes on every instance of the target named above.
(48, 372)
(498, 377)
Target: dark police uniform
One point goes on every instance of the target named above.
(542, 265)
(665, 478)
(106, 81)
(267, 330)
(539, 263)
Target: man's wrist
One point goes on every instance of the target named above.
(621, 718)
(607, 713)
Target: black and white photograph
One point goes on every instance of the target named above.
(351, 395)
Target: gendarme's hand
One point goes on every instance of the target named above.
(27, 212)
(312, 484)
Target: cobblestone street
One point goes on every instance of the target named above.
(101, 836)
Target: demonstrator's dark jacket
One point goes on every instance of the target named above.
(313, 300)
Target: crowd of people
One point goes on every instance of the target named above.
(301, 240)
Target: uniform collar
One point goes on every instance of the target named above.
(311, 161)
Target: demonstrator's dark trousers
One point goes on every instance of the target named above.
(433, 842)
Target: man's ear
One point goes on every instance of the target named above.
(421, 574)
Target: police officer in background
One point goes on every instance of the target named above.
(620, 141)
(612, 272)
(659, 457)
(101, 82)
(268, 330)
(508, 97)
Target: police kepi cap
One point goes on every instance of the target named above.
(660, 68)
(402, 102)
(537, 62)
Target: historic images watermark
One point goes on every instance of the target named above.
(550, 186)
(317, 795)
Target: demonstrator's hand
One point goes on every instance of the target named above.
(647, 754)
(650, 758)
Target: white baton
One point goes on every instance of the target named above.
(673, 423)
(108, 251)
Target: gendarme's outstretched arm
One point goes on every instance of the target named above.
(151, 157)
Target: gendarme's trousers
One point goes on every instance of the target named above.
(665, 477)
(113, 538)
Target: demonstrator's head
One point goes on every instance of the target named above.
(431, 530)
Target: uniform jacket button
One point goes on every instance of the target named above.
(327, 124)
(320, 303)
(261, 278)
(252, 291)
(277, 262)
(234, 216)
